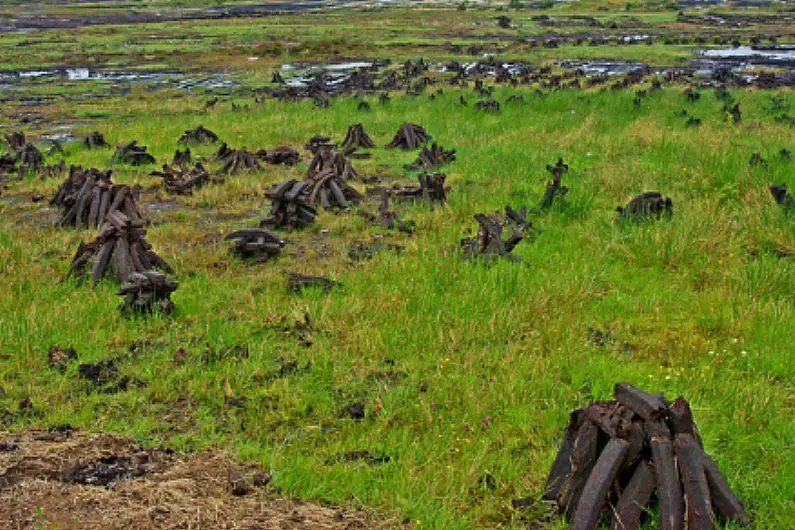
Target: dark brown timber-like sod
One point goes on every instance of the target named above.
(615, 455)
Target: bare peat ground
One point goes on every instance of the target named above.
(72, 480)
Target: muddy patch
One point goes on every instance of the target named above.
(38, 21)
(60, 478)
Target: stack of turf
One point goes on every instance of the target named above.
(616, 456)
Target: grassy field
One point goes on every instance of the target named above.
(467, 372)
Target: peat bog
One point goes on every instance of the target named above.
(354, 264)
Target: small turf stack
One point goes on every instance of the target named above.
(646, 205)
(289, 208)
(95, 140)
(409, 136)
(146, 292)
(554, 189)
(433, 158)
(279, 155)
(326, 180)
(385, 217)
(782, 196)
(16, 140)
(182, 158)
(356, 138)
(133, 154)
(327, 159)
(256, 243)
(317, 142)
(88, 196)
(488, 242)
(54, 170)
(236, 159)
(30, 159)
(199, 135)
(616, 454)
(183, 181)
(431, 188)
(120, 249)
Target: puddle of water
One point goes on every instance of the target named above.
(604, 67)
(180, 80)
(766, 55)
(330, 74)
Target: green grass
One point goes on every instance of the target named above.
(465, 370)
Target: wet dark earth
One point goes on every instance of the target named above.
(39, 21)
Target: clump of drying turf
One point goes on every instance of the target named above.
(147, 292)
(284, 155)
(617, 456)
(409, 136)
(488, 242)
(183, 181)
(649, 204)
(256, 244)
(432, 159)
(199, 135)
(95, 140)
(235, 159)
(118, 250)
(87, 196)
(290, 208)
(133, 154)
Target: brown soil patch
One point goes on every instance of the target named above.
(70, 480)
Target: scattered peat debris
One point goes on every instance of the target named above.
(487, 105)
(298, 282)
(431, 189)
(317, 142)
(59, 357)
(386, 218)
(362, 250)
(183, 181)
(622, 452)
(756, 160)
(354, 410)
(283, 155)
